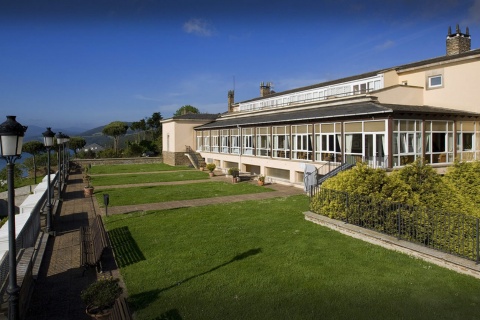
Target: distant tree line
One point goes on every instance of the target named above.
(145, 138)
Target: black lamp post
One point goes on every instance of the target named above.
(11, 142)
(59, 137)
(66, 139)
(48, 141)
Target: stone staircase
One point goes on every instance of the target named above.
(195, 158)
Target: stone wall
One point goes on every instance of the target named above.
(176, 158)
(112, 161)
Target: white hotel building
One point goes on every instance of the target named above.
(388, 118)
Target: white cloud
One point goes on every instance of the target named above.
(142, 97)
(474, 12)
(386, 45)
(198, 27)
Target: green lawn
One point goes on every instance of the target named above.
(146, 178)
(123, 168)
(152, 194)
(262, 260)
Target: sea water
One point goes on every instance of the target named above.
(3, 162)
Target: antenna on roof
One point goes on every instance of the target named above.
(233, 83)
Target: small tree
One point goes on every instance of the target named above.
(76, 143)
(34, 148)
(185, 110)
(139, 127)
(154, 125)
(115, 130)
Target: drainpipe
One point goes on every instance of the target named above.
(240, 148)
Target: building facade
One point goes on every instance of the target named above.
(388, 118)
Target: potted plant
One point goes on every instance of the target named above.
(210, 167)
(235, 173)
(88, 189)
(261, 180)
(100, 297)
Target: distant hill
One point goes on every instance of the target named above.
(36, 133)
(94, 135)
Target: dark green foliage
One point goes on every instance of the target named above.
(185, 110)
(234, 172)
(34, 148)
(17, 173)
(107, 153)
(154, 125)
(133, 150)
(465, 177)
(76, 143)
(17, 177)
(115, 130)
(102, 293)
(434, 211)
(89, 154)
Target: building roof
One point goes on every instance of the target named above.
(197, 116)
(417, 64)
(338, 111)
(438, 59)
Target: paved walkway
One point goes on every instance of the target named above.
(57, 290)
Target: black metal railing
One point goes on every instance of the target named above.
(453, 233)
(334, 172)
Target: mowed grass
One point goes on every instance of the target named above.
(152, 194)
(125, 168)
(112, 180)
(262, 260)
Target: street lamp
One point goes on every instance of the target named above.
(66, 139)
(48, 140)
(59, 137)
(11, 142)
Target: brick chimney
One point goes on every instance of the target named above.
(265, 89)
(231, 99)
(458, 42)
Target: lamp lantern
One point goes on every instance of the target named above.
(11, 138)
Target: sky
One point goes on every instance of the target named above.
(85, 63)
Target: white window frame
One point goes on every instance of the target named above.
(224, 141)
(325, 148)
(248, 141)
(278, 151)
(206, 141)
(234, 141)
(431, 78)
(263, 142)
(214, 141)
(302, 144)
(199, 140)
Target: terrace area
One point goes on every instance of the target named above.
(56, 291)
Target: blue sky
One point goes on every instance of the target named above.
(86, 63)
